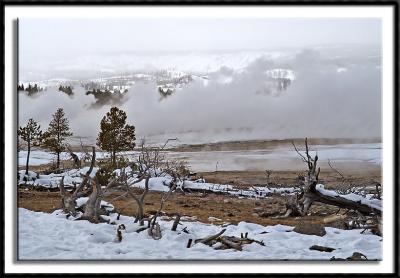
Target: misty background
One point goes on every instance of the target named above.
(335, 90)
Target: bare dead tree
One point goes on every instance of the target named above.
(150, 162)
(164, 198)
(310, 194)
(68, 199)
(93, 205)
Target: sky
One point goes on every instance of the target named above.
(41, 38)
(321, 102)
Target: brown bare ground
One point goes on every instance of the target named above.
(225, 207)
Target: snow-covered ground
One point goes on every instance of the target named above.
(44, 236)
(53, 180)
(284, 158)
(160, 184)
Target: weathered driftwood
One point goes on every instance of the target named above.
(209, 238)
(226, 242)
(322, 248)
(231, 244)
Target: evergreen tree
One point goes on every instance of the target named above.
(115, 134)
(57, 132)
(31, 134)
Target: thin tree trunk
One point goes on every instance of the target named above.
(140, 214)
(58, 160)
(27, 159)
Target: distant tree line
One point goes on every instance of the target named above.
(30, 89)
(66, 89)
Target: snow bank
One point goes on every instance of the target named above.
(40, 157)
(159, 184)
(162, 184)
(53, 180)
(45, 236)
(30, 177)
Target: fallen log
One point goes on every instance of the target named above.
(231, 244)
(343, 202)
(322, 248)
(208, 239)
(314, 192)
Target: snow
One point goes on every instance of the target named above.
(281, 191)
(83, 200)
(155, 184)
(44, 236)
(53, 180)
(31, 175)
(40, 157)
(162, 184)
(373, 203)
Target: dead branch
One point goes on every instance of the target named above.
(164, 198)
(231, 244)
(75, 158)
(176, 222)
(335, 170)
(209, 238)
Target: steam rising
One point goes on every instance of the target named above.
(322, 102)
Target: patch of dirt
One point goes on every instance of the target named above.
(202, 206)
(267, 144)
(225, 207)
(245, 179)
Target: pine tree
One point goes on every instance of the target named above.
(115, 134)
(31, 134)
(57, 132)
